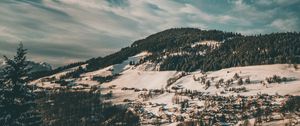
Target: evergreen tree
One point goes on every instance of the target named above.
(16, 100)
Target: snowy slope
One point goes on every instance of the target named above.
(139, 77)
(86, 78)
(256, 75)
(117, 68)
(134, 78)
(143, 79)
(211, 43)
(48, 84)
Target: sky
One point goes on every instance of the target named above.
(65, 31)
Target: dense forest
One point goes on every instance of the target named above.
(241, 51)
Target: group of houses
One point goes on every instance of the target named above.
(215, 109)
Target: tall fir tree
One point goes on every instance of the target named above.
(17, 102)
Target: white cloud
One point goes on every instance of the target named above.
(285, 24)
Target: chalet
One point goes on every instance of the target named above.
(84, 85)
(277, 116)
(137, 90)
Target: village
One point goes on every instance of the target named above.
(194, 107)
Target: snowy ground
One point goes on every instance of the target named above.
(134, 78)
(256, 75)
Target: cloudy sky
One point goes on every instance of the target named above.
(65, 31)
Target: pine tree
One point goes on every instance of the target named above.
(17, 106)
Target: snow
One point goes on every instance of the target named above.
(102, 72)
(259, 73)
(211, 43)
(138, 77)
(86, 78)
(143, 79)
(135, 78)
(255, 73)
(149, 66)
(40, 83)
(118, 68)
(164, 98)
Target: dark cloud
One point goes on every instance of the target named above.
(118, 3)
(39, 4)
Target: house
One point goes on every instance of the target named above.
(277, 116)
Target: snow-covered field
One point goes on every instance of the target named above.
(135, 78)
(256, 75)
(42, 82)
(211, 43)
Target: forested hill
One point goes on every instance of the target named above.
(178, 38)
(168, 40)
(181, 49)
(189, 49)
(255, 50)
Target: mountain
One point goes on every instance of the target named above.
(39, 67)
(34, 66)
(168, 41)
(190, 49)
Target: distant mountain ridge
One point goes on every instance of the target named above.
(41, 66)
(34, 66)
